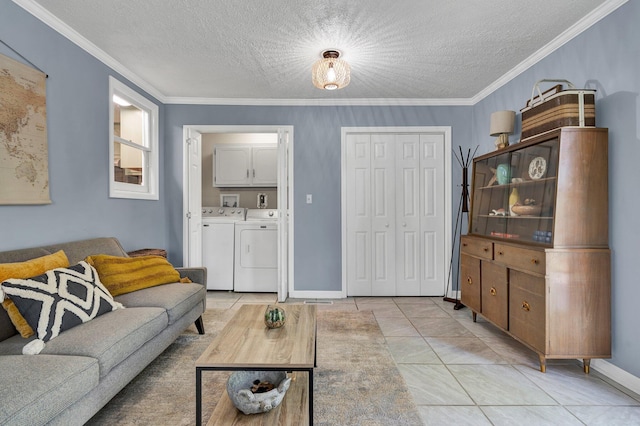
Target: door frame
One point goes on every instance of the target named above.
(285, 161)
(446, 132)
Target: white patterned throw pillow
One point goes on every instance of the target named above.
(58, 300)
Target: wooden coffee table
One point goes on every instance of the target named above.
(245, 343)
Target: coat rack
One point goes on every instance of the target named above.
(463, 207)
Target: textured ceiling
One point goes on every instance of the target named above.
(407, 49)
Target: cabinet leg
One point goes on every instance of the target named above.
(586, 364)
(474, 316)
(543, 363)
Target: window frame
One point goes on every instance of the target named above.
(149, 189)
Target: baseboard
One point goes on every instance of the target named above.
(617, 374)
(339, 295)
(317, 295)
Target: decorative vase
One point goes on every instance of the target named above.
(274, 317)
(514, 199)
(503, 174)
(241, 388)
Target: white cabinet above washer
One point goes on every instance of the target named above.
(245, 165)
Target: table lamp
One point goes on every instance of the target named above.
(502, 124)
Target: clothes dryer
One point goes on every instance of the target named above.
(256, 253)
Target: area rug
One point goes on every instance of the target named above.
(356, 381)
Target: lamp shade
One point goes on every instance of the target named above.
(330, 73)
(502, 122)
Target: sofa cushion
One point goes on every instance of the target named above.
(110, 338)
(34, 390)
(28, 269)
(60, 299)
(126, 274)
(176, 298)
(79, 250)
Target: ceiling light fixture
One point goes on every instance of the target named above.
(330, 73)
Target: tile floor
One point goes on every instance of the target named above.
(465, 373)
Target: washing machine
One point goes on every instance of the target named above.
(218, 244)
(256, 253)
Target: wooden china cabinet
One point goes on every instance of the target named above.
(536, 261)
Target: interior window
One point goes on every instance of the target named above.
(133, 144)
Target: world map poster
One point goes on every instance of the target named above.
(24, 159)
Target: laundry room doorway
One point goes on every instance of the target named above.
(266, 142)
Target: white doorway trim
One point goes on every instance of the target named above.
(446, 132)
(285, 159)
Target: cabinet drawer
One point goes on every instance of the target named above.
(494, 293)
(477, 247)
(527, 309)
(520, 258)
(470, 282)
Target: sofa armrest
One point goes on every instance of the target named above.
(195, 274)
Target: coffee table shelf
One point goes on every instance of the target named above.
(245, 343)
(288, 413)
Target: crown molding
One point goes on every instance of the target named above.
(52, 21)
(569, 34)
(65, 30)
(320, 102)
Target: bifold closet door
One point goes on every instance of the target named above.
(383, 215)
(395, 214)
(358, 187)
(432, 223)
(370, 215)
(408, 270)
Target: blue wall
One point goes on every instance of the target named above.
(606, 57)
(316, 170)
(78, 134)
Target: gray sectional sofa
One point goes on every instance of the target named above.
(80, 370)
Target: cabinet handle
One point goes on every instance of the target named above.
(486, 249)
(386, 225)
(464, 244)
(535, 261)
(526, 306)
(469, 280)
(254, 172)
(493, 291)
(501, 253)
(247, 172)
(404, 225)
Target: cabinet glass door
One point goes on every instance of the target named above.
(514, 193)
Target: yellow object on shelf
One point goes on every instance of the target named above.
(514, 198)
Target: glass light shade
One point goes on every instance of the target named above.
(330, 74)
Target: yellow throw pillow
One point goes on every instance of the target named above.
(23, 270)
(122, 275)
